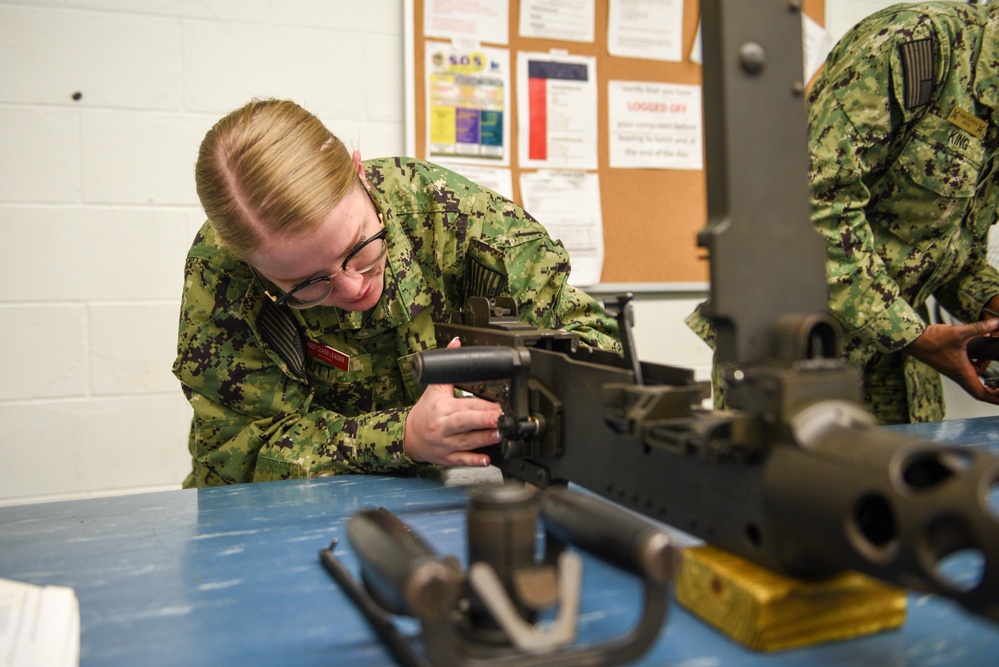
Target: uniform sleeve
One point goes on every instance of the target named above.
(537, 271)
(862, 295)
(965, 296)
(252, 420)
(846, 149)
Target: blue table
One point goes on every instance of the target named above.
(232, 576)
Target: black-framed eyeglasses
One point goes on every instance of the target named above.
(362, 258)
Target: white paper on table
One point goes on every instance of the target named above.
(39, 625)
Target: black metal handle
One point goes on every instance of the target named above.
(619, 537)
(473, 364)
(400, 571)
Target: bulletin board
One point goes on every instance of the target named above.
(651, 217)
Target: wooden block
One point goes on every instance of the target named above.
(766, 611)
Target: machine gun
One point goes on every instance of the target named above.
(803, 482)
(795, 476)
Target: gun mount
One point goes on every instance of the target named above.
(802, 481)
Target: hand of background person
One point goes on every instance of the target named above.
(945, 348)
(445, 430)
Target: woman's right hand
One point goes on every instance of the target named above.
(443, 429)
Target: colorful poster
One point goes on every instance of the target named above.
(467, 103)
(557, 111)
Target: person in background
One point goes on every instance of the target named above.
(315, 281)
(903, 135)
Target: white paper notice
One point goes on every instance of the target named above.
(696, 55)
(497, 180)
(569, 20)
(556, 111)
(655, 125)
(474, 20)
(817, 43)
(568, 204)
(651, 29)
(467, 103)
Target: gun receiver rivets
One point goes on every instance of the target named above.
(752, 57)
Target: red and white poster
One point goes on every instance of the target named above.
(557, 111)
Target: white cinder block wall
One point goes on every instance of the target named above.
(102, 106)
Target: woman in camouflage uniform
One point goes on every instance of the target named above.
(316, 280)
(903, 134)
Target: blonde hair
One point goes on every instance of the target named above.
(270, 167)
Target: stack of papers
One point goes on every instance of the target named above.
(39, 625)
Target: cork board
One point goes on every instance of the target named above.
(651, 217)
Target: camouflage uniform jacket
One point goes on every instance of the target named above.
(904, 187)
(903, 137)
(268, 407)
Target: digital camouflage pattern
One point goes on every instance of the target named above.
(904, 187)
(255, 420)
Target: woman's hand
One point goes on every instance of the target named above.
(445, 430)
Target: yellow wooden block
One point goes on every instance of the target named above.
(766, 611)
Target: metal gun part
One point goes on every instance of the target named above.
(488, 617)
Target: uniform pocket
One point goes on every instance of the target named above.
(930, 187)
(359, 368)
(350, 392)
(937, 170)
